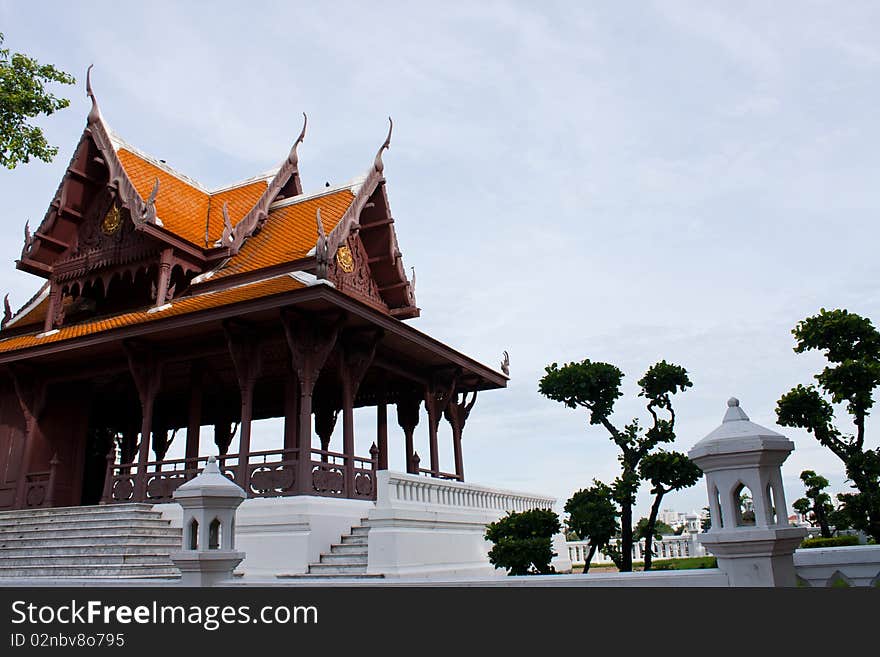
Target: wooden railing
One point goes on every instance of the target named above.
(39, 488)
(271, 473)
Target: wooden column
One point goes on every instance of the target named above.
(54, 313)
(164, 277)
(291, 408)
(456, 414)
(194, 424)
(31, 392)
(310, 342)
(408, 419)
(146, 370)
(437, 397)
(223, 433)
(161, 443)
(326, 414)
(382, 434)
(358, 351)
(244, 348)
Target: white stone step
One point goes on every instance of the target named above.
(360, 539)
(84, 560)
(91, 523)
(79, 548)
(348, 548)
(359, 531)
(319, 576)
(92, 570)
(80, 532)
(337, 569)
(43, 520)
(111, 513)
(75, 510)
(120, 537)
(344, 559)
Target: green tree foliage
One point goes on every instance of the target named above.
(816, 503)
(523, 542)
(23, 96)
(666, 471)
(851, 345)
(706, 522)
(595, 386)
(593, 517)
(661, 529)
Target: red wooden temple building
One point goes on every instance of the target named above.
(170, 310)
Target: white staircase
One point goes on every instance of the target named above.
(119, 540)
(346, 559)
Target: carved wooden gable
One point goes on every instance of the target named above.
(349, 270)
(106, 240)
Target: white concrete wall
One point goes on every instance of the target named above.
(857, 565)
(433, 528)
(283, 535)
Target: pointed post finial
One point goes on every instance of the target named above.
(377, 163)
(293, 157)
(227, 224)
(7, 312)
(322, 255)
(94, 113)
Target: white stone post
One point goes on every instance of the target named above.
(737, 455)
(209, 502)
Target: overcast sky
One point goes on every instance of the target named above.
(625, 182)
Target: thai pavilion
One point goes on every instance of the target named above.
(169, 310)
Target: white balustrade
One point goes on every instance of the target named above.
(413, 489)
(670, 547)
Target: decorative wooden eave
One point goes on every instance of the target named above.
(402, 306)
(91, 173)
(286, 183)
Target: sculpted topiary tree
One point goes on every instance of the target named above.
(816, 501)
(595, 386)
(593, 517)
(852, 348)
(667, 471)
(523, 542)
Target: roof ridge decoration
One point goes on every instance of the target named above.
(253, 221)
(141, 212)
(348, 223)
(322, 253)
(118, 181)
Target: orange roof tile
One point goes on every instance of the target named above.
(240, 199)
(183, 208)
(259, 289)
(289, 233)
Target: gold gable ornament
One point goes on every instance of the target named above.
(345, 259)
(112, 221)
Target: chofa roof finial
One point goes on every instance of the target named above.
(322, 255)
(94, 113)
(377, 163)
(293, 158)
(7, 312)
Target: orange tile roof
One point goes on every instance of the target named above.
(289, 233)
(240, 199)
(184, 208)
(259, 289)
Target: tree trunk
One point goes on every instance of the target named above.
(652, 520)
(626, 538)
(589, 558)
(822, 519)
